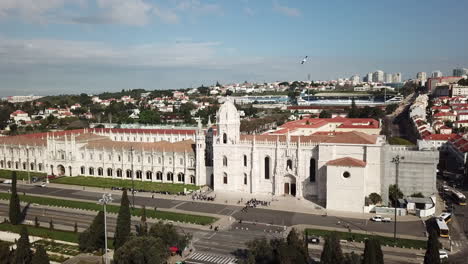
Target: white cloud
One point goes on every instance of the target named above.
(33, 10)
(285, 10)
(197, 7)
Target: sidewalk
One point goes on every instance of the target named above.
(281, 203)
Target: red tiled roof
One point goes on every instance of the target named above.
(461, 121)
(342, 122)
(444, 114)
(441, 137)
(143, 131)
(347, 162)
(352, 137)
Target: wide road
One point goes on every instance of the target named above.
(257, 215)
(211, 247)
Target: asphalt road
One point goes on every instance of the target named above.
(258, 215)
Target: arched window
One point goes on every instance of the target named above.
(129, 174)
(159, 160)
(192, 179)
(289, 164)
(245, 160)
(119, 173)
(224, 138)
(159, 176)
(1, 163)
(16, 165)
(31, 166)
(83, 170)
(224, 161)
(225, 179)
(170, 176)
(181, 177)
(91, 171)
(109, 172)
(119, 158)
(267, 168)
(149, 175)
(138, 174)
(40, 167)
(245, 178)
(312, 169)
(9, 164)
(24, 165)
(138, 158)
(100, 171)
(170, 161)
(181, 161)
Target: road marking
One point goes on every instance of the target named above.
(210, 258)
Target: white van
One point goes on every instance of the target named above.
(7, 181)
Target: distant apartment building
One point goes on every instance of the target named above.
(460, 72)
(422, 76)
(459, 90)
(368, 77)
(436, 74)
(388, 78)
(432, 83)
(355, 79)
(378, 76)
(397, 77)
(21, 98)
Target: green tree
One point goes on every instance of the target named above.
(390, 108)
(150, 117)
(394, 193)
(40, 256)
(331, 253)
(5, 253)
(375, 198)
(23, 253)
(75, 227)
(36, 222)
(169, 235)
(433, 246)
(325, 114)
(372, 252)
(51, 224)
(93, 237)
(14, 209)
(143, 226)
(259, 251)
(352, 258)
(122, 230)
(353, 112)
(142, 250)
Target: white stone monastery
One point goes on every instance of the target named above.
(336, 170)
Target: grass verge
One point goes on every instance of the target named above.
(42, 232)
(139, 185)
(180, 217)
(384, 241)
(21, 175)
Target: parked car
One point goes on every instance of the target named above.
(7, 181)
(379, 218)
(51, 176)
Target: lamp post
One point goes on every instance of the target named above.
(396, 161)
(106, 198)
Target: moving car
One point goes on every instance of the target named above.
(379, 218)
(313, 240)
(443, 254)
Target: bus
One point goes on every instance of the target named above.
(442, 227)
(447, 217)
(458, 197)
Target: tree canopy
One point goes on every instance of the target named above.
(23, 253)
(142, 250)
(331, 253)
(122, 230)
(93, 238)
(14, 208)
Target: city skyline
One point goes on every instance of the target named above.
(59, 47)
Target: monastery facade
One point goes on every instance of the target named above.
(337, 170)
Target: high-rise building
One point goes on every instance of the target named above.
(460, 72)
(388, 78)
(397, 77)
(369, 77)
(378, 76)
(422, 76)
(355, 79)
(436, 74)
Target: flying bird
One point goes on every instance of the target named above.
(304, 60)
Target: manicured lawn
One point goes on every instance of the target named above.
(21, 175)
(195, 219)
(388, 241)
(42, 232)
(108, 183)
(52, 246)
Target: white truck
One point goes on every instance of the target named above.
(379, 218)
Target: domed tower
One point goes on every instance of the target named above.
(228, 122)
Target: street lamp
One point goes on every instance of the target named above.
(106, 199)
(27, 165)
(396, 161)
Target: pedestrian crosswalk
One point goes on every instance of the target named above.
(206, 258)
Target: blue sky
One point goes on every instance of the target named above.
(73, 46)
